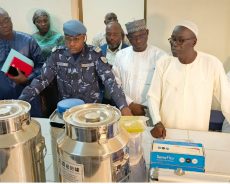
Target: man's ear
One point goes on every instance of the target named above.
(85, 38)
(147, 31)
(122, 34)
(195, 41)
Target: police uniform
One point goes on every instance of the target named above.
(76, 78)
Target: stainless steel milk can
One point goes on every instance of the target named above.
(21, 144)
(93, 148)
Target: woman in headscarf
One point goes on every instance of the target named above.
(47, 39)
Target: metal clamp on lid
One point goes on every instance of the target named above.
(102, 134)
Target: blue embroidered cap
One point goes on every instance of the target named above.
(74, 28)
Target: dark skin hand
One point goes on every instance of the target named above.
(20, 78)
(125, 111)
(137, 109)
(158, 131)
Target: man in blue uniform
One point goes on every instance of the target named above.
(78, 68)
(12, 86)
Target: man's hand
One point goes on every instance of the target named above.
(20, 78)
(137, 109)
(158, 131)
(125, 111)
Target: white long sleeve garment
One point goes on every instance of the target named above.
(226, 125)
(134, 71)
(228, 75)
(180, 95)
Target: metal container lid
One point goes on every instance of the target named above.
(92, 122)
(13, 113)
(92, 115)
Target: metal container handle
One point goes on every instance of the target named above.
(40, 155)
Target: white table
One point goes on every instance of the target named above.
(217, 155)
(216, 144)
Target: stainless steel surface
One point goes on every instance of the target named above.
(55, 132)
(21, 144)
(57, 127)
(13, 115)
(92, 122)
(79, 115)
(93, 148)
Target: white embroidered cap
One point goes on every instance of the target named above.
(190, 25)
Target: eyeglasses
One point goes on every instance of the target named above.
(178, 41)
(5, 21)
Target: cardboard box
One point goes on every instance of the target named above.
(177, 155)
(16, 60)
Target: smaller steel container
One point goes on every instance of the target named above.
(58, 126)
(21, 144)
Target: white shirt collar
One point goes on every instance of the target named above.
(119, 48)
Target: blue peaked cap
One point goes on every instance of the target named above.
(74, 28)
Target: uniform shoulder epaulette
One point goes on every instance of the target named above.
(57, 48)
(97, 49)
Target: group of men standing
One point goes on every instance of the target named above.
(139, 79)
(176, 90)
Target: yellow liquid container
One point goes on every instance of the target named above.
(133, 124)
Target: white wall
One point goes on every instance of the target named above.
(211, 16)
(94, 12)
(21, 12)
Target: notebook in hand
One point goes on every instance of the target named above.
(15, 60)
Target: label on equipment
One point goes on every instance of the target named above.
(70, 172)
